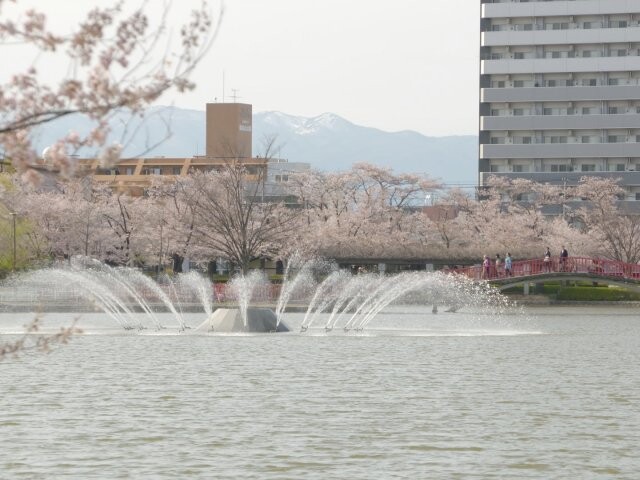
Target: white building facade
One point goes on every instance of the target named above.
(560, 90)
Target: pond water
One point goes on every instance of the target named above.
(546, 393)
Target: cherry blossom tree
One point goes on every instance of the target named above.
(518, 216)
(64, 219)
(130, 230)
(367, 211)
(179, 202)
(118, 58)
(231, 219)
(610, 220)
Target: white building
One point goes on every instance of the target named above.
(560, 89)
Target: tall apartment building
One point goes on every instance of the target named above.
(560, 90)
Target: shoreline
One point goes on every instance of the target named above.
(544, 301)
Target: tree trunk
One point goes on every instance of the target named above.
(177, 262)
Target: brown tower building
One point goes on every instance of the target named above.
(229, 128)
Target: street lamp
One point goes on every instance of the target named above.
(13, 230)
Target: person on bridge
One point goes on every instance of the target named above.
(508, 265)
(547, 260)
(564, 257)
(498, 264)
(486, 267)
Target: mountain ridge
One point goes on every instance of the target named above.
(327, 141)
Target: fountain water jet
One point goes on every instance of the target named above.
(303, 278)
(201, 286)
(324, 295)
(242, 287)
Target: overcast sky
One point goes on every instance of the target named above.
(393, 65)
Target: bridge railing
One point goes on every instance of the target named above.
(523, 268)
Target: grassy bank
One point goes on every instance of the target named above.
(580, 292)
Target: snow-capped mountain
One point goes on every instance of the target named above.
(327, 142)
(330, 142)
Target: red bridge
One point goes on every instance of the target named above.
(573, 268)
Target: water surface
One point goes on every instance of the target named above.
(552, 394)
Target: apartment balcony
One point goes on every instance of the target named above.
(561, 122)
(627, 179)
(561, 37)
(560, 94)
(559, 9)
(560, 150)
(560, 65)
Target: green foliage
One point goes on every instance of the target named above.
(595, 294)
(581, 292)
(26, 256)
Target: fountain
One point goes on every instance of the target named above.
(357, 300)
(339, 300)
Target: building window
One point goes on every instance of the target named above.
(613, 81)
(637, 195)
(518, 83)
(520, 168)
(587, 167)
(518, 112)
(560, 168)
(619, 167)
(518, 55)
(129, 170)
(618, 24)
(612, 110)
(177, 170)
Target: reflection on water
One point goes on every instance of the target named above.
(550, 394)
